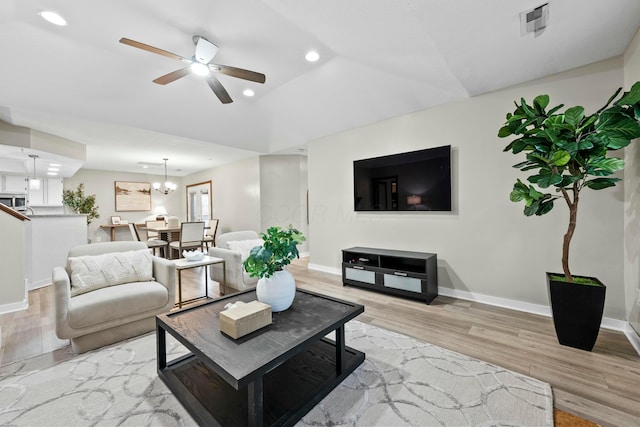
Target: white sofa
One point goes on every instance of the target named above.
(234, 247)
(94, 316)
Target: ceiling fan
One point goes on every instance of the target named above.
(200, 63)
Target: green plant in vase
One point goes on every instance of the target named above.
(80, 203)
(276, 286)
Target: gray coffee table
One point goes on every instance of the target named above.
(272, 376)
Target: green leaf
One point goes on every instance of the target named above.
(609, 164)
(617, 127)
(545, 207)
(527, 110)
(541, 102)
(554, 109)
(631, 97)
(600, 183)
(548, 181)
(587, 123)
(560, 158)
(504, 132)
(574, 116)
(585, 144)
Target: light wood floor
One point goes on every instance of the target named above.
(602, 386)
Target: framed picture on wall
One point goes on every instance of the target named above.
(132, 196)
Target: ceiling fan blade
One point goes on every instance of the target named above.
(239, 73)
(219, 90)
(153, 49)
(173, 76)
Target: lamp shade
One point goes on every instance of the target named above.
(160, 210)
(414, 200)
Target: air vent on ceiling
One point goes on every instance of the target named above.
(534, 20)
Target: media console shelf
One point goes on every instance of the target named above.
(409, 274)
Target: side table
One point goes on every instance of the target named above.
(183, 264)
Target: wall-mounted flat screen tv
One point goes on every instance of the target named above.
(414, 181)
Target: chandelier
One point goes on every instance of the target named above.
(168, 186)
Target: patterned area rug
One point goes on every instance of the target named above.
(402, 382)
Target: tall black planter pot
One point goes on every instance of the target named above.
(577, 311)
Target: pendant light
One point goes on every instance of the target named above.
(34, 183)
(168, 186)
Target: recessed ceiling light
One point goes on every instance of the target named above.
(248, 92)
(55, 165)
(200, 69)
(52, 173)
(53, 18)
(312, 56)
(53, 169)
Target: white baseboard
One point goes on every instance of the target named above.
(14, 306)
(325, 269)
(543, 310)
(632, 336)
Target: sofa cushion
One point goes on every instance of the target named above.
(116, 303)
(92, 272)
(244, 246)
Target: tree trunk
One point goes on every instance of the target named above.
(573, 215)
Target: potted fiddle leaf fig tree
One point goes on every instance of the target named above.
(275, 286)
(567, 152)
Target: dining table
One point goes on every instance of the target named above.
(166, 232)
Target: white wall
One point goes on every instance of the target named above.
(632, 199)
(235, 194)
(486, 245)
(102, 184)
(283, 193)
(13, 289)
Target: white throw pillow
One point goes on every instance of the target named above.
(92, 272)
(244, 246)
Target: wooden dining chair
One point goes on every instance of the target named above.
(191, 235)
(210, 233)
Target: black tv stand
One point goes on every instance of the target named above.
(409, 274)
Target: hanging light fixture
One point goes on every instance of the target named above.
(34, 183)
(168, 186)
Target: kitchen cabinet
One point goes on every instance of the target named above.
(49, 193)
(14, 184)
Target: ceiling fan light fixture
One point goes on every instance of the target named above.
(200, 69)
(248, 93)
(53, 18)
(312, 56)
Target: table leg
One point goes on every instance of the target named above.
(180, 288)
(255, 403)
(223, 285)
(161, 349)
(340, 351)
(206, 281)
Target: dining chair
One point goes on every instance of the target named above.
(154, 223)
(210, 233)
(191, 235)
(153, 244)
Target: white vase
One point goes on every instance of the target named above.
(278, 290)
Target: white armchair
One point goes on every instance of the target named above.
(234, 247)
(92, 312)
